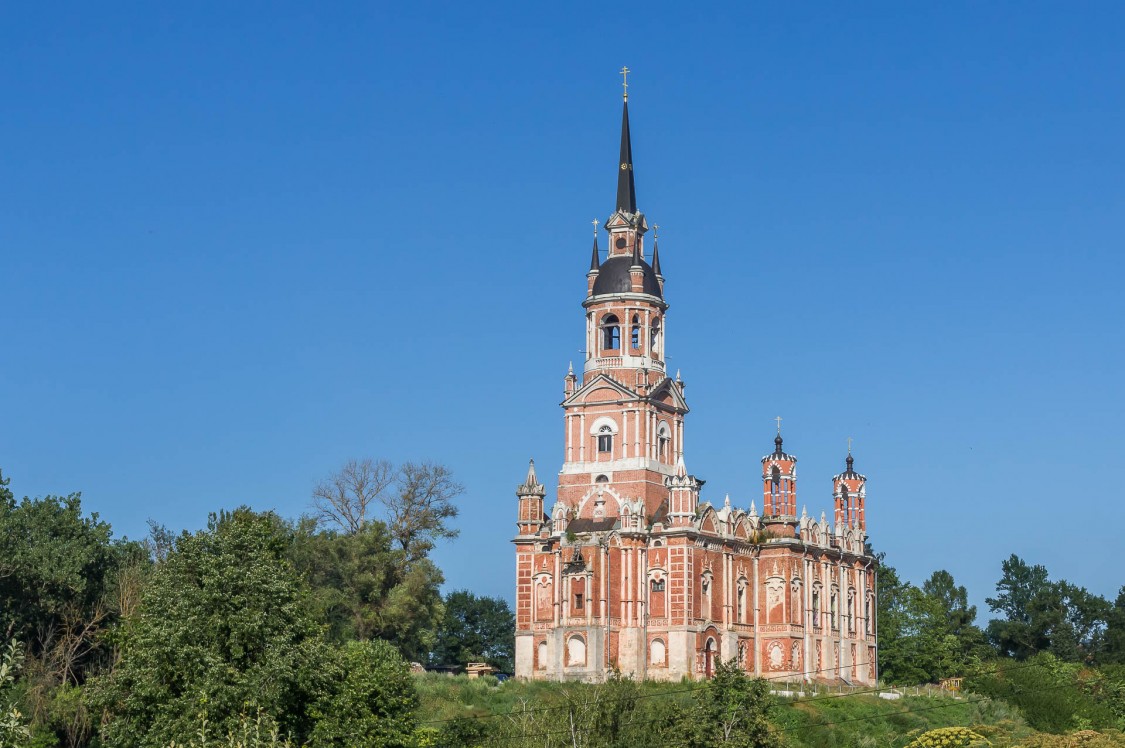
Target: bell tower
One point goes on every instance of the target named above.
(779, 486)
(849, 494)
(624, 417)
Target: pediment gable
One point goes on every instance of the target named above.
(599, 382)
(667, 389)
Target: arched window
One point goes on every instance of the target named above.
(657, 585)
(611, 333)
(576, 651)
(844, 503)
(658, 653)
(635, 333)
(832, 611)
(816, 607)
(605, 439)
(851, 612)
(541, 659)
(663, 438)
(654, 335)
(741, 610)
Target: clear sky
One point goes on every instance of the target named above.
(243, 242)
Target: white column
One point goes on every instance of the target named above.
(757, 624)
(603, 609)
(569, 438)
(626, 618)
(637, 432)
(806, 581)
(582, 437)
(556, 585)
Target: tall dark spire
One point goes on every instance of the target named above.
(626, 192)
(594, 265)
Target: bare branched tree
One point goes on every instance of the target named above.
(414, 499)
(345, 498)
(419, 512)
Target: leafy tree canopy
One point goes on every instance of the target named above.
(371, 702)
(363, 587)
(1040, 615)
(223, 629)
(475, 629)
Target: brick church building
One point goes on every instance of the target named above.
(631, 567)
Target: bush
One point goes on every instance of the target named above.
(13, 731)
(948, 737)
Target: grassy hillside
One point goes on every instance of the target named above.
(500, 713)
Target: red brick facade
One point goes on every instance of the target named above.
(630, 568)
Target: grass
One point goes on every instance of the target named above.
(814, 721)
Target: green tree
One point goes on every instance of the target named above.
(223, 629)
(1115, 631)
(371, 701)
(1078, 625)
(363, 587)
(956, 616)
(733, 709)
(1045, 616)
(475, 629)
(56, 570)
(1023, 594)
(65, 584)
(925, 634)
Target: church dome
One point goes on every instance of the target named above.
(613, 277)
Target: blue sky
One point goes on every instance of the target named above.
(240, 244)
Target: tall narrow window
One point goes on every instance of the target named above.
(816, 608)
(635, 333)
(775, 491)
(611, 333)
(662, 441)
(654, 335)
(578, 601)
(832, 611)
(605, 439)
(658, 585)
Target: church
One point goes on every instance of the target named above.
(631, 568)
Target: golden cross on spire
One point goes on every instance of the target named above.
(778, 419)
(595, 222)
(625, 81)
(849, 445)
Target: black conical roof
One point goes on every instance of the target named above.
(626, 192)
(594, 255)
(655, 257)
